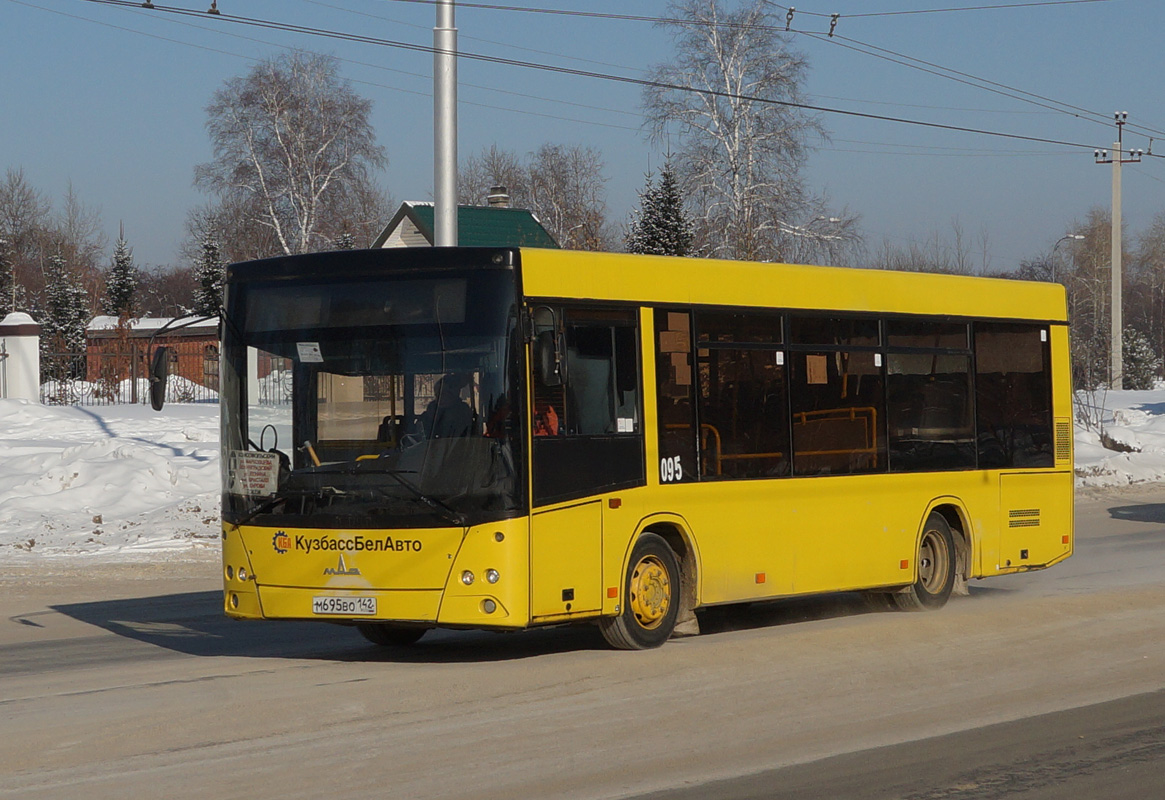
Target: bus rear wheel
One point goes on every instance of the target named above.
(936, 568)
(651, 594)
(390, 635)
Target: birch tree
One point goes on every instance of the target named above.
(294, 148)
(562, 184)
(725, 100)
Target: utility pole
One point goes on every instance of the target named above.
(1116, 360)
(445, 127)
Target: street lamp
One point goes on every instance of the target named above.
(1074, 236)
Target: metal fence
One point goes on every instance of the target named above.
(113, 372)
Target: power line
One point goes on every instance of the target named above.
(288, 27)
(995, 7)
(374, 84)
(463, 35)
(1001, 89)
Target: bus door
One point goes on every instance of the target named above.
(587, 441)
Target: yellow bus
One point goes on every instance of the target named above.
(510, 438)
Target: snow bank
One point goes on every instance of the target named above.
(107, 481)
(1132, 420)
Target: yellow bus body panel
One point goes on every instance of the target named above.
(416, 575)
(656, 280)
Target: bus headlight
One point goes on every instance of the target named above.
(230, 573)
(489, 606)
(242, 573)
(491, 576)
(467, 578)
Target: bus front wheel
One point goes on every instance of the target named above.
(936, 568)
(651, 594)
(390, 635)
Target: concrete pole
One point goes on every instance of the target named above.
(1117, 361)
(445, 127)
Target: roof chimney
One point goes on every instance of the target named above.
(498, 197)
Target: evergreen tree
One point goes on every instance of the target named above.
(66, 316)
(1141, 364)
(660, 226)
(209, 273)
(121, 282)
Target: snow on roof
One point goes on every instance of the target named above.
(105, 322)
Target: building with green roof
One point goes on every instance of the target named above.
(477, 226)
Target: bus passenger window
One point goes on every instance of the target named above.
(929, 411)
(743, 396)
(1013, 393)
(674, 406)
(838, 413)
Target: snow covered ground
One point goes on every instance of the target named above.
(110, 482)
(122, 482)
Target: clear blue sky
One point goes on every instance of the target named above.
(113, 100)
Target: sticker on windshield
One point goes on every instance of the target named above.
(253, 474)
(309, 353)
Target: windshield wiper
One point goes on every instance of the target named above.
(281, 496)
(439, 508)
(262, 508)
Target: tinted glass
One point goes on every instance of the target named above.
(674, 382)
(838, 413)
(929, 412)
(744, 415)
(1013, 395)
(833, 331)
(943, 335)
(726, 328)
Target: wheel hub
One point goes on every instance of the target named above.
(650, 592)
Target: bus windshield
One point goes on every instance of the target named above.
(382, 402)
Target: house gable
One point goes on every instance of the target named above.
(477, 226)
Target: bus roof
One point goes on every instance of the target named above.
(661, 279)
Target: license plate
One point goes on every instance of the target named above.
(344, 606)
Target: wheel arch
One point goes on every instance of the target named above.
(674, 530)
(958, 519)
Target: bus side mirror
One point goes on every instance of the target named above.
(549, 362)
(159, 373)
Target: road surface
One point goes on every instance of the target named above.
(125, 681)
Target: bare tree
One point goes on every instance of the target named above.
(567, 191)
(294, 149)
(1087, 278)
(75, 233)
(493, 167)
(562, 184)
(729, 98)
(24, 219)
(820, 235)
(1145, 296)
(166, 291)
(937, 253)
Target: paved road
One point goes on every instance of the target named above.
(125, 681)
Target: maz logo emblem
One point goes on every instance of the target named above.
(342, 569)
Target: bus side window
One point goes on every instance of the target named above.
(674, 384)
(587, 430)
(1013, 392)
